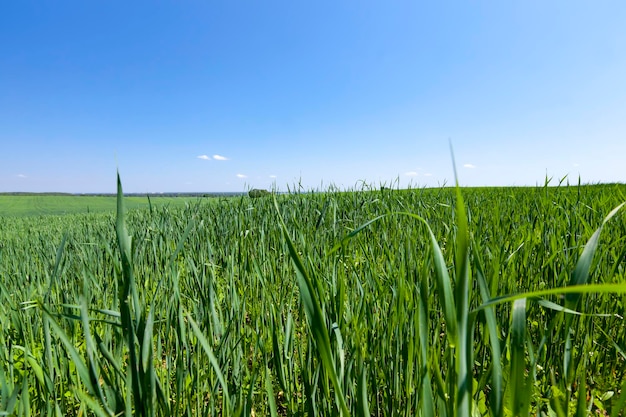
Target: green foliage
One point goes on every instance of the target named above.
(257, 193)
(502, 301)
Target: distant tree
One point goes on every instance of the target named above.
(257, 193)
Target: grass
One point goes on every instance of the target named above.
(60, 205)
(494, 301)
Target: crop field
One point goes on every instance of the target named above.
(62, 204)
(429, 302)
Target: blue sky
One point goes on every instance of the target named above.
(230, 95)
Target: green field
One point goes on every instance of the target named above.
(50, 204)
(336, 303)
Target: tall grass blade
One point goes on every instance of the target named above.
(464, 357)
(204, 343)
(271, 401)
(617, 288)
(354, 233)
(9, 399)
(57, 265)
(81, 367)
(428, 398)
(446, 295)
(90, 350)
(519, 391)
(130, 309)
(315, 316)
(362, 402)
(581, 403)
(581, 273)
(146, 344)
(93, 405)
(580, 277)
(620, 404)
(497, 392)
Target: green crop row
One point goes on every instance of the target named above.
(446, 302)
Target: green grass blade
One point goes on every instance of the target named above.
(497, 393)
(4, 389)
(25, 400)
(362, 403)
(146, 344)
(446, 295)
(81, 367)
(90, 350)
(620, 404)
(315, 317)
(204, 343)
(519, 391)
(181, 243)
(428, 398)
(618, 288)
(464, 357)
(57, 266)
(124, 240)
(9, 396)
(580, 276)
(581, 273)
(271, 401)
(92, 404)
(581, 402)
(353, 234)
(125, 291)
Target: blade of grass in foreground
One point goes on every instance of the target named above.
(428, 398)
(519, 390)
(465, 357)
(619, 288)
(497, 392)
(362, 403)
(125, 289)
(271, 401)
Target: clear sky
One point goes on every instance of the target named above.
(230, 95)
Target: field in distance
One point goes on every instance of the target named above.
(39, 204)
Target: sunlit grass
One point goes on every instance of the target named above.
(495, 301)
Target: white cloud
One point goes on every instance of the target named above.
(220, 158)
(576, 164)
(273, 176)
(242, 176)
(428, 174)
(21, 176)
(471, 166)
(411, 174)
(205, 157)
